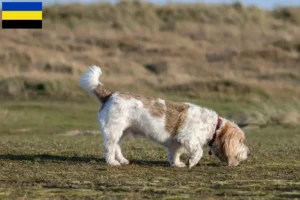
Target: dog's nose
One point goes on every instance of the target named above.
(249, 153)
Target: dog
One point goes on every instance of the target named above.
(181, 127)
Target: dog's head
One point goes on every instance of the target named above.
(229, 145)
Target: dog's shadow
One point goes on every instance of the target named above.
(90, 159)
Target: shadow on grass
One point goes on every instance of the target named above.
(54, 158)
(290, 196)
(46, 157)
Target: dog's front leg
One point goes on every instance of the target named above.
(174, 153)
(196, 153)
(174, 158)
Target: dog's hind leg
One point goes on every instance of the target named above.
(119, 156)
(111, 127)
(113, 134)
(110, 148)
(113, 154)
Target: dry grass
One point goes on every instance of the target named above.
(269, 114)
(189, 49)
(227, 52)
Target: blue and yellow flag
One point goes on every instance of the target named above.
(23, 15)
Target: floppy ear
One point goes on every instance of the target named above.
(226, 141)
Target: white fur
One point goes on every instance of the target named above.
(120, 117)
(90, 79)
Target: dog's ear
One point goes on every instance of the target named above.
(227, 142)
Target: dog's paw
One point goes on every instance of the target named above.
(113, 163)
(192, 164)
(124, 161)
(180, 164)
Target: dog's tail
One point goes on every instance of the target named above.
(89, 81)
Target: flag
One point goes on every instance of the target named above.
(22, 15)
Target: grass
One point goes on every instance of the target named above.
(129, 14)
(229, 50)
(38, 162)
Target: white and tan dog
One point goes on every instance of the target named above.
(181, 127)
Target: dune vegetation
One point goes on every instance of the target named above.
(196, 49)
(192, 51)
(243, 62)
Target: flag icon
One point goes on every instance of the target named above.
(22, 15)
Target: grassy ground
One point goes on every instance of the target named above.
(38, 160)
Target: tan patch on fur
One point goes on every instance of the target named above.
(102, 94)
(175, 113)
(156, 109)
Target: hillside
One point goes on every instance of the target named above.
(242, 62)
(220, 51)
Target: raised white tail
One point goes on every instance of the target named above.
(89, 81)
